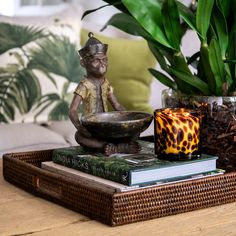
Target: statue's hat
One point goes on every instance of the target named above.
(92, 47)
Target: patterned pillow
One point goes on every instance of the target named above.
(39, 66)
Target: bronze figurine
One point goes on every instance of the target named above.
(94, 91)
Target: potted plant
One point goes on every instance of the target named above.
(207, 79)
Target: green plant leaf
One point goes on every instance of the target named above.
(45, 102)
(180, 63)
(192, 80)
(188, 16)
(129, 25)
(163, 78)
(29, 83)
(204, 69)
(193, 60)
(230, 15)
(159, 56)
(16, 36)
(118, 4)
(59, 56)
(232, 57)
(229, 61)
(93, 10)
(152, 22)
(47, 98)
(171, 23)
(60, 111)
(217, 65)
(19, 58)
(212, 21)
(3, 118)
(224, 6)
(44, 71)
(64, 89)
(211, 33)
(203, 16)
(219, 23)
(8, 109)
(19, 91)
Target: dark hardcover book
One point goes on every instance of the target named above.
(136, 169)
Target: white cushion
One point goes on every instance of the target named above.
(27, 137)
(65, 128)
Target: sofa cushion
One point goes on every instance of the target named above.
(27, 137)
(127, 72)
(65, 128)
(39, 75)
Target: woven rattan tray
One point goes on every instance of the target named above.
(23, 170)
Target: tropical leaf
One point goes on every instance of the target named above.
(16, 36)
(93, 10)
(194, 60)
(7, 101)
(203, 16)
(224, 6)
(60, 111)
(192, 80)
(29, 83)
(9, 109)
(232, 57)
(60, 104)
(180, 62)
(214, 20)
(217, 65)
(45, 102)
(118, 4)
(188, 16)
(3, 119)
(163, 79)
(152, 21)
(59, 56)
(220, 26)
(159, 56)
(129, 25)
(65, 89)
(171, 23)
(19, 58)
(18, 91)
(204, 69)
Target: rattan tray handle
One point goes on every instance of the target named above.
(47, 187)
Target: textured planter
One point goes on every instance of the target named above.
(218, 129)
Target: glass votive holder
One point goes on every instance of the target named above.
(177, 133)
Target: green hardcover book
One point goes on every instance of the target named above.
(137, 169)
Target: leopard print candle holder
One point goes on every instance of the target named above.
(177, 133)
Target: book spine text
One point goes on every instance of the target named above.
(91, 166)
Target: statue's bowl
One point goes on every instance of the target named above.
(117, 124)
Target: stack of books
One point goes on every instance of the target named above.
(120, 173)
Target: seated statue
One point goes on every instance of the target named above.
(94, 91)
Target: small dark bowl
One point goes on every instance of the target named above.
(117, 124)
